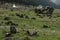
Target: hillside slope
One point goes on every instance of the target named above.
(52, 32)
(35, 2)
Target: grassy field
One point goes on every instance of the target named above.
(51, 33)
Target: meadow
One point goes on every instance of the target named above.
(51, 33)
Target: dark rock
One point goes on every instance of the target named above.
(21, 16)
(47, 10)
(58, 15)
(12, 23)
(7, 18)
(33, 18)
(17, 14)
(8, 35)
(26, 17)
(45, 26)
(9, 22)
(12, 29)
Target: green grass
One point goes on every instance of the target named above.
(44, 34)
